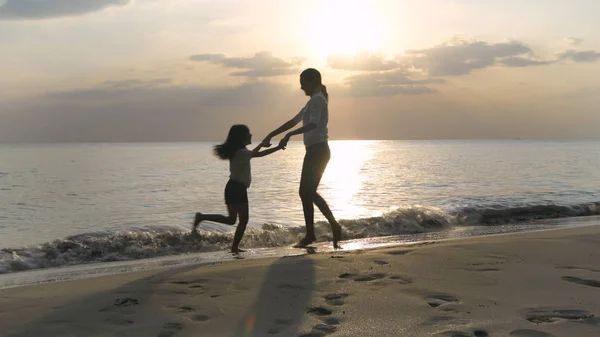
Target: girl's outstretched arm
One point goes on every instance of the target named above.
(257, 148)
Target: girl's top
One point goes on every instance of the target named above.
(239, 166)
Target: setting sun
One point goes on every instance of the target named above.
(345, 27)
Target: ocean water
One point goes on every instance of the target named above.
(70, 204)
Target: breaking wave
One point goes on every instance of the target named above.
(153, 242)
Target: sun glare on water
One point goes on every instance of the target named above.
(343, 178)
(345, 27)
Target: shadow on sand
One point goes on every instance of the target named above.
(278, 309)
(282, 301)
(60, 322)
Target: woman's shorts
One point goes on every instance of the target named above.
(235, 193)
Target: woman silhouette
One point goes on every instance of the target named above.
(314, 116)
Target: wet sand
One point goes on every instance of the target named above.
(524, 284)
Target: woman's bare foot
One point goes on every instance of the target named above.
(237, 250)
(197, 220)
(305, 242)
(336, 229)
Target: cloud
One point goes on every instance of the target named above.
(262, 64)
(388, 83)
(114, 89)
(523, 62)
(214, 58)
(363, 61)
(456, 57)
(409, 74)
(382, 91)
(135, 110)
(150, 92)
(574, 41)
(460, 57)
(136, 83)
(580, 56)
(44, 9)
(396, 77)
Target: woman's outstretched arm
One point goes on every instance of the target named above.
(283, 128)
(258, 153)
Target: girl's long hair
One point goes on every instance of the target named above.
(236, 139)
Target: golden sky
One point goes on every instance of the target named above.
(185, 70)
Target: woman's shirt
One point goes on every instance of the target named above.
(315, 111)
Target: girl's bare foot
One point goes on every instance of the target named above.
(197, 220)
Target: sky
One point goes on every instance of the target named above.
(186, 70)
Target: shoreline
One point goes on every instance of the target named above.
(541, 283)
(99, 269)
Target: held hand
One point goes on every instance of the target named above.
(283, 142)
(266, 142)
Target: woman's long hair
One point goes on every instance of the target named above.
(236, 139)
(314, 76)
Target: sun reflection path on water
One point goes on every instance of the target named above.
(343, 179)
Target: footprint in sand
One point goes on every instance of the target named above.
(530, 333)
(454, 334)
(582, 281)
(450, 310)
(185, 309)
(200, 318)
(126, 302)
(549, 315)
(347, 275)
(362, 278)
(332, 321)
(190, 282)
(487, 263)
(381, 262)
(400, 252)
(401, 279)
(325, 328)
(578, 268)
(319, 311)
(476, 333)
(335, 299)
(189, 310)
(436, 300)
(483, 270)
(329, 324)
(170, 329)
(320, 330)
(369, 277)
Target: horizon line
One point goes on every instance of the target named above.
(293, 141)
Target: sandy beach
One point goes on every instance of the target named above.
(526, 284)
